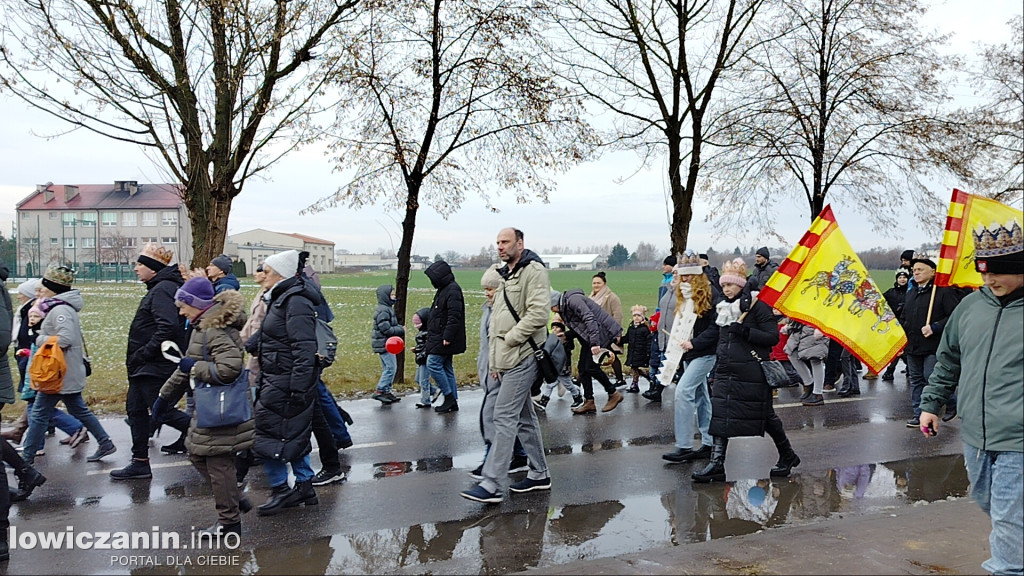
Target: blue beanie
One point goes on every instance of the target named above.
(196, 292)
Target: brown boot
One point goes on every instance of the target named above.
(20, 425)
(614, 400)
(588, 407)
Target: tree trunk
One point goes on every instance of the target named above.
(208, 211)
(681, 210)
(412, 206)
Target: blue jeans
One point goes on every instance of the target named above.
(443, 372)
(330, 409)
(42, 410)
(426, 387)
(67, 423)
(919, 368)
(389, 364)
(997, 485)
(277, 472)
(692, 396)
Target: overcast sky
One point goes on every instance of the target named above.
(589, 207)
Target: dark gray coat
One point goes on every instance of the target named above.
(385, 321)
(587, 320)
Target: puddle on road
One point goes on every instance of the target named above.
(493, 541)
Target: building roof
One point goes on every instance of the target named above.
(571, 258)
(309, 239)
(103, 197)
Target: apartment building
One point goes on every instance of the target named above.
(254, 246)
(98, 229)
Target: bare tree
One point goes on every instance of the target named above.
(656, 65)
(444, 99)
(215, 90)
(848, 106)
(646, 254)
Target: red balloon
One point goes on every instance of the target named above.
(395, 344)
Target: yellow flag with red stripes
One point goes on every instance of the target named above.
(967, 212)
(823, 283)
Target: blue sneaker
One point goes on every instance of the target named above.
(527, 485)
(479, 494)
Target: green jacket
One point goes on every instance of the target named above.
(981, 357)
(529, 291)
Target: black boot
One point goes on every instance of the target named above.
(303, 493)
(654, 392)
(785, 465)
(808, 392)
(450, 404)
(28, 480)
(787, 457)
(278, 498)
(715, 470)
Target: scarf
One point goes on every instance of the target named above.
(682, 330)
(728, 312)
(601, 296)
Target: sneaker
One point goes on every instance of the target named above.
(422, 405)
(479, 494)
(78, 438)
(135, 470)
(577, 401)
(382, 397)
(541, 403)
(435, 395)
(633, 389)
(477, 473)
(527, 485)
(106, 448)
(392, 398)
(914, 423)
(325, 477)
(949, 415)
(176, 447)
(829, 388)
(519, 464)
(561, 390)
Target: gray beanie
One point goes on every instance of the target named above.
(223, 262)
(28, 288)
(556, 296)
(763, 251)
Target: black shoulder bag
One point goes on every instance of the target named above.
(544, 362)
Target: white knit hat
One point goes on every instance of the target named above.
(284, 263)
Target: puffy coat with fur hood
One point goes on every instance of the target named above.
(217, 330)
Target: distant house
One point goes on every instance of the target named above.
(366, 262)
(254, 246)
(571, 261)
(87, 226)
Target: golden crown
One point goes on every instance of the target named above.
(999, 240)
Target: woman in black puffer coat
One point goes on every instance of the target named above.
(741, 401)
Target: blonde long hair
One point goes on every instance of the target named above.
(701, 287)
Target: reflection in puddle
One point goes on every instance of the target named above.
(389, 469)
(492, 542)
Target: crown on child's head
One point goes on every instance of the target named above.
(999, 248)
(735, 267)
(689, 264)
(639, 309)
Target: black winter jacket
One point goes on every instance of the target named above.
(420, 350)
(156, 320)
(915, 312)
(385, 321)
(705, 332)
(740, 396)
(638, 340)
(587, 320)
(447, 312)
(288, 372)
(896, 297)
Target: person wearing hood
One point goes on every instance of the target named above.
(596, 330)
(286, 346)
(519, 315)
(385, 325)
(214, 354)
(764, 267)
(896, 297)
(64, 304)
(156, 320)
(446, 332)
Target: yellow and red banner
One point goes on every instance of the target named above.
(967, 213)
(823, 283)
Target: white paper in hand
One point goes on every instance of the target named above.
(170, 350)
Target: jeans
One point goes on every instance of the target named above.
(442, 371)
(40, 417)
(997, 485)
(514, 418)
(426, 386)
(389, 365)
(68, 424)
(332, 414)
(277, 471)
(692, 396)
(919, 368)
(566, 381)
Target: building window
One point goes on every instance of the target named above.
(31, 241)
(148, 239)
(54, 241)
(53, 215)
(169, 219)
(129, 219)
(169, 240)
(69, 219)
(69, 242)
(129, 242)
(110, 218)
(149, 218)
(89, 242)
(24, 215)
(88, 219)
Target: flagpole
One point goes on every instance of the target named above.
(931, 303)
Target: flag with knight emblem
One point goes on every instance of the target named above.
(967, 213)
(823, 283)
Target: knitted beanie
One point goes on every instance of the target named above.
(58, 279)
(196, 292)
(734, 272)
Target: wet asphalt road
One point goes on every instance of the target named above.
(400, 510)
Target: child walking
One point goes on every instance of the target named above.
(638, 342)
(428, 392)
(559, 349)
(385, 325)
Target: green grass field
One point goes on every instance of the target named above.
(109, 309)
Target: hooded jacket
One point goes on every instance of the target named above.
(528, 290)
(588, 320)
(385, 321)
(217, 331)
(447, 312)
(63, 322)
(156, 320)
(286, 347)
(981, 358)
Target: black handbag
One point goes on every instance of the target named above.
(774, 372)
(219, 405)
(545, 364)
